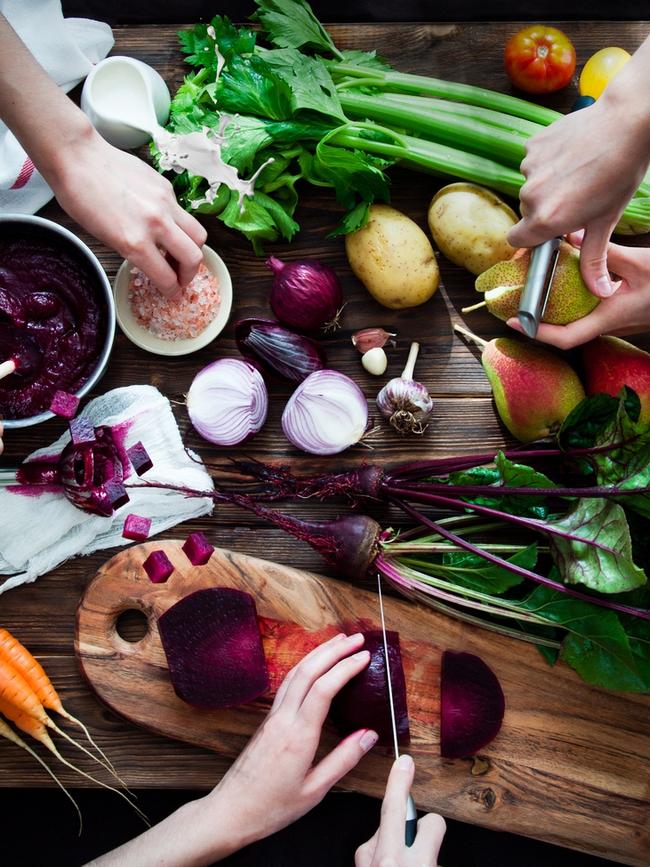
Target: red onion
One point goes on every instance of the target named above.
(305, 294)
(325, 414)
(277, 349)
(227, 402)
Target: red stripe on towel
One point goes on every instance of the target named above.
(25, 174)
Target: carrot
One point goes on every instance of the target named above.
(10, 735)
(17, 655)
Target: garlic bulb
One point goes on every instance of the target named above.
(405, 402)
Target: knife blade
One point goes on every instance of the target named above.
(411, 813)
(539, 279)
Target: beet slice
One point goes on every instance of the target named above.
(213, 648)
(364, 702)
(158, 567)
(64, 404)
(136, 527)
(471, 705)
(139, 458)
(197, 549)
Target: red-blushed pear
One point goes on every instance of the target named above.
(534, 390)
(610, 363)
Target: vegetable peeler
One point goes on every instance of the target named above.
(543, 261)
(411, 813)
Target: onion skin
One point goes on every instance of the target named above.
(305, 295)
(277, 350)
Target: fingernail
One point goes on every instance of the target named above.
(362, 654)
(356, 636)
(339, 636)
(368, 740)
(405, 762)
(604, 287)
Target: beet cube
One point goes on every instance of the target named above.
(213, 648)
(116, 493)
(197, 549)
(364, 701)
(136, 527)
(139, 458)
(158, 567)
(64, 404)
(81, 431)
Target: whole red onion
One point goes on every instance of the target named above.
(305, 294)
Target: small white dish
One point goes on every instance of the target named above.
(143, 338)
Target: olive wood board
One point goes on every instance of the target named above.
(570, 765)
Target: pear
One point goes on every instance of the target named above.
(534, 390)
(569, 298)
(610, 363)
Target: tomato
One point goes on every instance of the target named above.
(599, 70)
(540, 59)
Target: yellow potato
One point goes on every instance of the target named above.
(393, 258)
(470, 224)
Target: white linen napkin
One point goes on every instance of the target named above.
(40, 531)
(66, 48)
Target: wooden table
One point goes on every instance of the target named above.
(42, 614)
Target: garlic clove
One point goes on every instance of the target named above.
(371, 338)
(375, 361)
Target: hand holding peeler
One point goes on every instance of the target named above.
(543, 262)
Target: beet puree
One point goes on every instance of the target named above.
(52, 317)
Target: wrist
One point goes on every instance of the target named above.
(211, 828)
(59, 156)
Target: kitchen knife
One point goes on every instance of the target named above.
(411, 813)
(543, 261)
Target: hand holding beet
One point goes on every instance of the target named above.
(274, 781)
(387, 845)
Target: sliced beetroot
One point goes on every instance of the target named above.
(158, 567)
(471, 705)
(213, 648)
(139, 457)
(136, 527)
(364, 701)
(82, 431)
(64, 404)
(197, 549)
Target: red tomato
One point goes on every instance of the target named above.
(540, 59)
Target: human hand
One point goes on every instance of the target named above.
(387, 846)
(125, 203)
(274, 780)
(625, 312)
(580, 173)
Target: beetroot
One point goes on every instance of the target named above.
(116, 493)
(471, 705)
(139, 458)
(136, 527)
(213, 648)
(82, 431)
(364, 701)
(64, 404)
(158, 567)
(197, 549)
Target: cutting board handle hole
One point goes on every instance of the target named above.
(132, 625)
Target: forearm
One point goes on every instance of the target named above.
(43, 119)
(623, 98)
(193, 836)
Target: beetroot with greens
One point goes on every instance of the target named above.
(364, 701)
(471, 705)
(197, 549)
(158, 567)
(213, 648)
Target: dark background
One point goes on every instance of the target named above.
(329, 835)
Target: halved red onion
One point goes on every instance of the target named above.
(278, 350)
(326, 414)
(228, 402)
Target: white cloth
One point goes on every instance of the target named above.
(39, 532)
(66, 48)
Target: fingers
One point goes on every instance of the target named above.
(593, 258)
(566, 336)
(187, 254)
(430, 834)
(315, 664)
(191, 226)
(152, 261)
(393, 808)
(528, 233)
(365, 853)
(317, 702)
(340, 762)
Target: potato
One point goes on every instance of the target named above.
(393, 258)
(469, 225)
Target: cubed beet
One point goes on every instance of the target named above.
(364, 701)
(139, 458)
(213, 648)
(116, 493)
(81, 431)
(197, 549)
(158, 567)
(136, 527)
(64, 404)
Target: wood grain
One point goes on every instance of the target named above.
(553, 751)
(42, 615)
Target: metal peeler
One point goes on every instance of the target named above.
(543, 261)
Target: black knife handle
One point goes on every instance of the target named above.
(411, 822)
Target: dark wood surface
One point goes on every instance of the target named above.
(42, 615)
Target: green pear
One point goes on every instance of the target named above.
(534, 390)
(610, 363)
(568, 300)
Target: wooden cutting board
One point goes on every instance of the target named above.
(571, 764)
